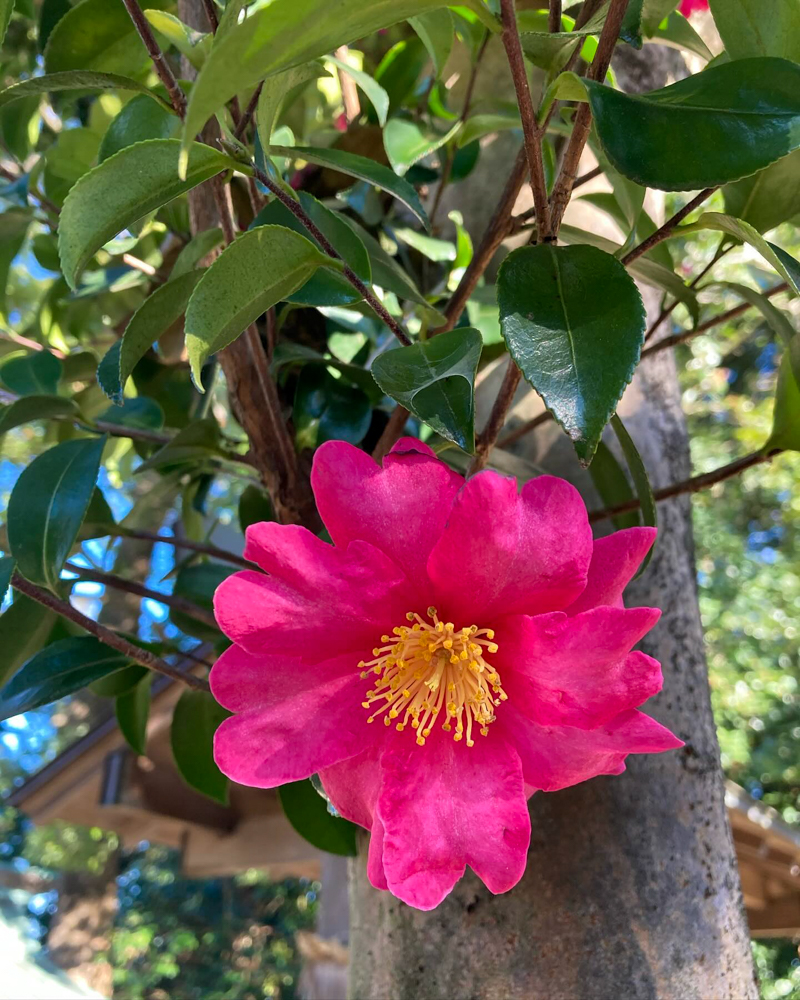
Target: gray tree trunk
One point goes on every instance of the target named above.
(632, 888)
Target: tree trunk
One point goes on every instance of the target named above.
(632, 888)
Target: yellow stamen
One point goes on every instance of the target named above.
(436, 669)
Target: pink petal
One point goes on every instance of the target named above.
(556, 757)
(615, 559)
(508, 553)
(319, 600)
(577, 671)
(352, 786)
(295, 737)
(375, 870)
(400, 508)
(446, 806)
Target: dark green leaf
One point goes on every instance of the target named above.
(326, 409)
(51, 13)
(151, 320)
(711, 128)
(612, 484)
(751, 28)
(47, 506)
(198, 248)
(35, 408)
(641, 481)
(324, 287)
(24, 628)
(436, 29)
(287, 353)
(307, 811)
(125, 187)
(7, 565)
(195, 720)
(13, 229)
(198, 441)
(120, 682)
(59, 670)
(6, 10)
(254, 506)
(362, 168)
(139, 120)
(260, 268)
(677, 33)
(98, 520)
(79, 80)
(274, 93)
(574, 322)
(37, 374)
(197, 583)
(140, 412)
(435, 379)
(786, 416)
(133, 710)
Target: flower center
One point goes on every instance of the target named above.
(429, 668)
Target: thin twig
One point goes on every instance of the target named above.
(693, 485)
(513, 436)
(249, 111)
(530, 128)
(497, 417)
(173, 601)
(184, 543)
(363, 290)
(139, 265)
(211, 14)
(665, 231)
(667, 311)
(391, 432)
(106, 636)
(162, 67)
(554, 17)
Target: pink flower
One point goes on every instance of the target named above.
(689, 7)
(460, 646)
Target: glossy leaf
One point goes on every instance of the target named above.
(195, 720)
(151, 320)
(139, 120)
(435, 379)
(24, 628)
(38, 373)
(47, 506)
(362, 168)
(288, 33)
(13, 229)
(193, 44)
(327, 409)
(751, 28)
(574, 322)
(378, 97)
(254, 506)
(122, 189)
(641, 481)
(436, 30)
(132, 709)
(550, 51)
(308, 813)
(406, 143)
(260, 268)
(612, 484)
(711, 128)
(58, 670)
(98, 520)
(120, 682)
(29, 408)
(678, 33)
(768, 198)
(140, 412)
(197, 583)
(785, 433)
(77, 79)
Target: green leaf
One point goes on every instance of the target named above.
(711, 128)
(324, 287)
(98, 520)
(195, 720)
(362, 168)
(125, 187)
(141, 412)
(307, 811)
(24, 628)
(378, 97)
(37, 373)
(76, 79)
(197, 442)
(768, 198)
(550, 51)
(13, 229)
(6, 10)
(197, 583)
(138, 121)
(29, 408)
(612, 484)
(399, 71)
(195, 45)
(777, 319)
(151, 320)
(274, 92)
(288, 33)
(428, 246)
(47, 506)
(435, 379)
(406, 143)
(574, 322)
(483, 124)
(326, 409)
(7, 565)
(120, 682)
(59, 670)
(51, 13)
(677, 33)
(287, 353)
(260, 268)
(198, 248)
(254, 506)
(436, 30)
(97, 35)
(751, 28)
(785, 433)
(641, 481)
(133, 710)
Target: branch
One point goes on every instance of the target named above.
(132, 587)
(248, 112)
(667, 311)
(392, 432)
(162, 67)
(185, 543)
(363, 290)
(128, 649)
(665, 231)
(497, 417)
(530, 128)
(554, 18)
(693, 485)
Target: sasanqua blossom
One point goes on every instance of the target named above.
(460, 646)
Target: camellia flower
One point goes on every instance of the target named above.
(688, 7)
(459, 646)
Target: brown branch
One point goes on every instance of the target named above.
(173, 601)
(211, 14)
(668, 310)
(513, 436)
(530, 128)
(391, 432)
(249, 111)
(162, 67)
(489, 434)
(347, 85)
(693, 485)
(363, 290)
(106, 636)
(665, 231)
(554, 17)
(185, 543)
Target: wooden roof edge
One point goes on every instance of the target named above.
(761, 815)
